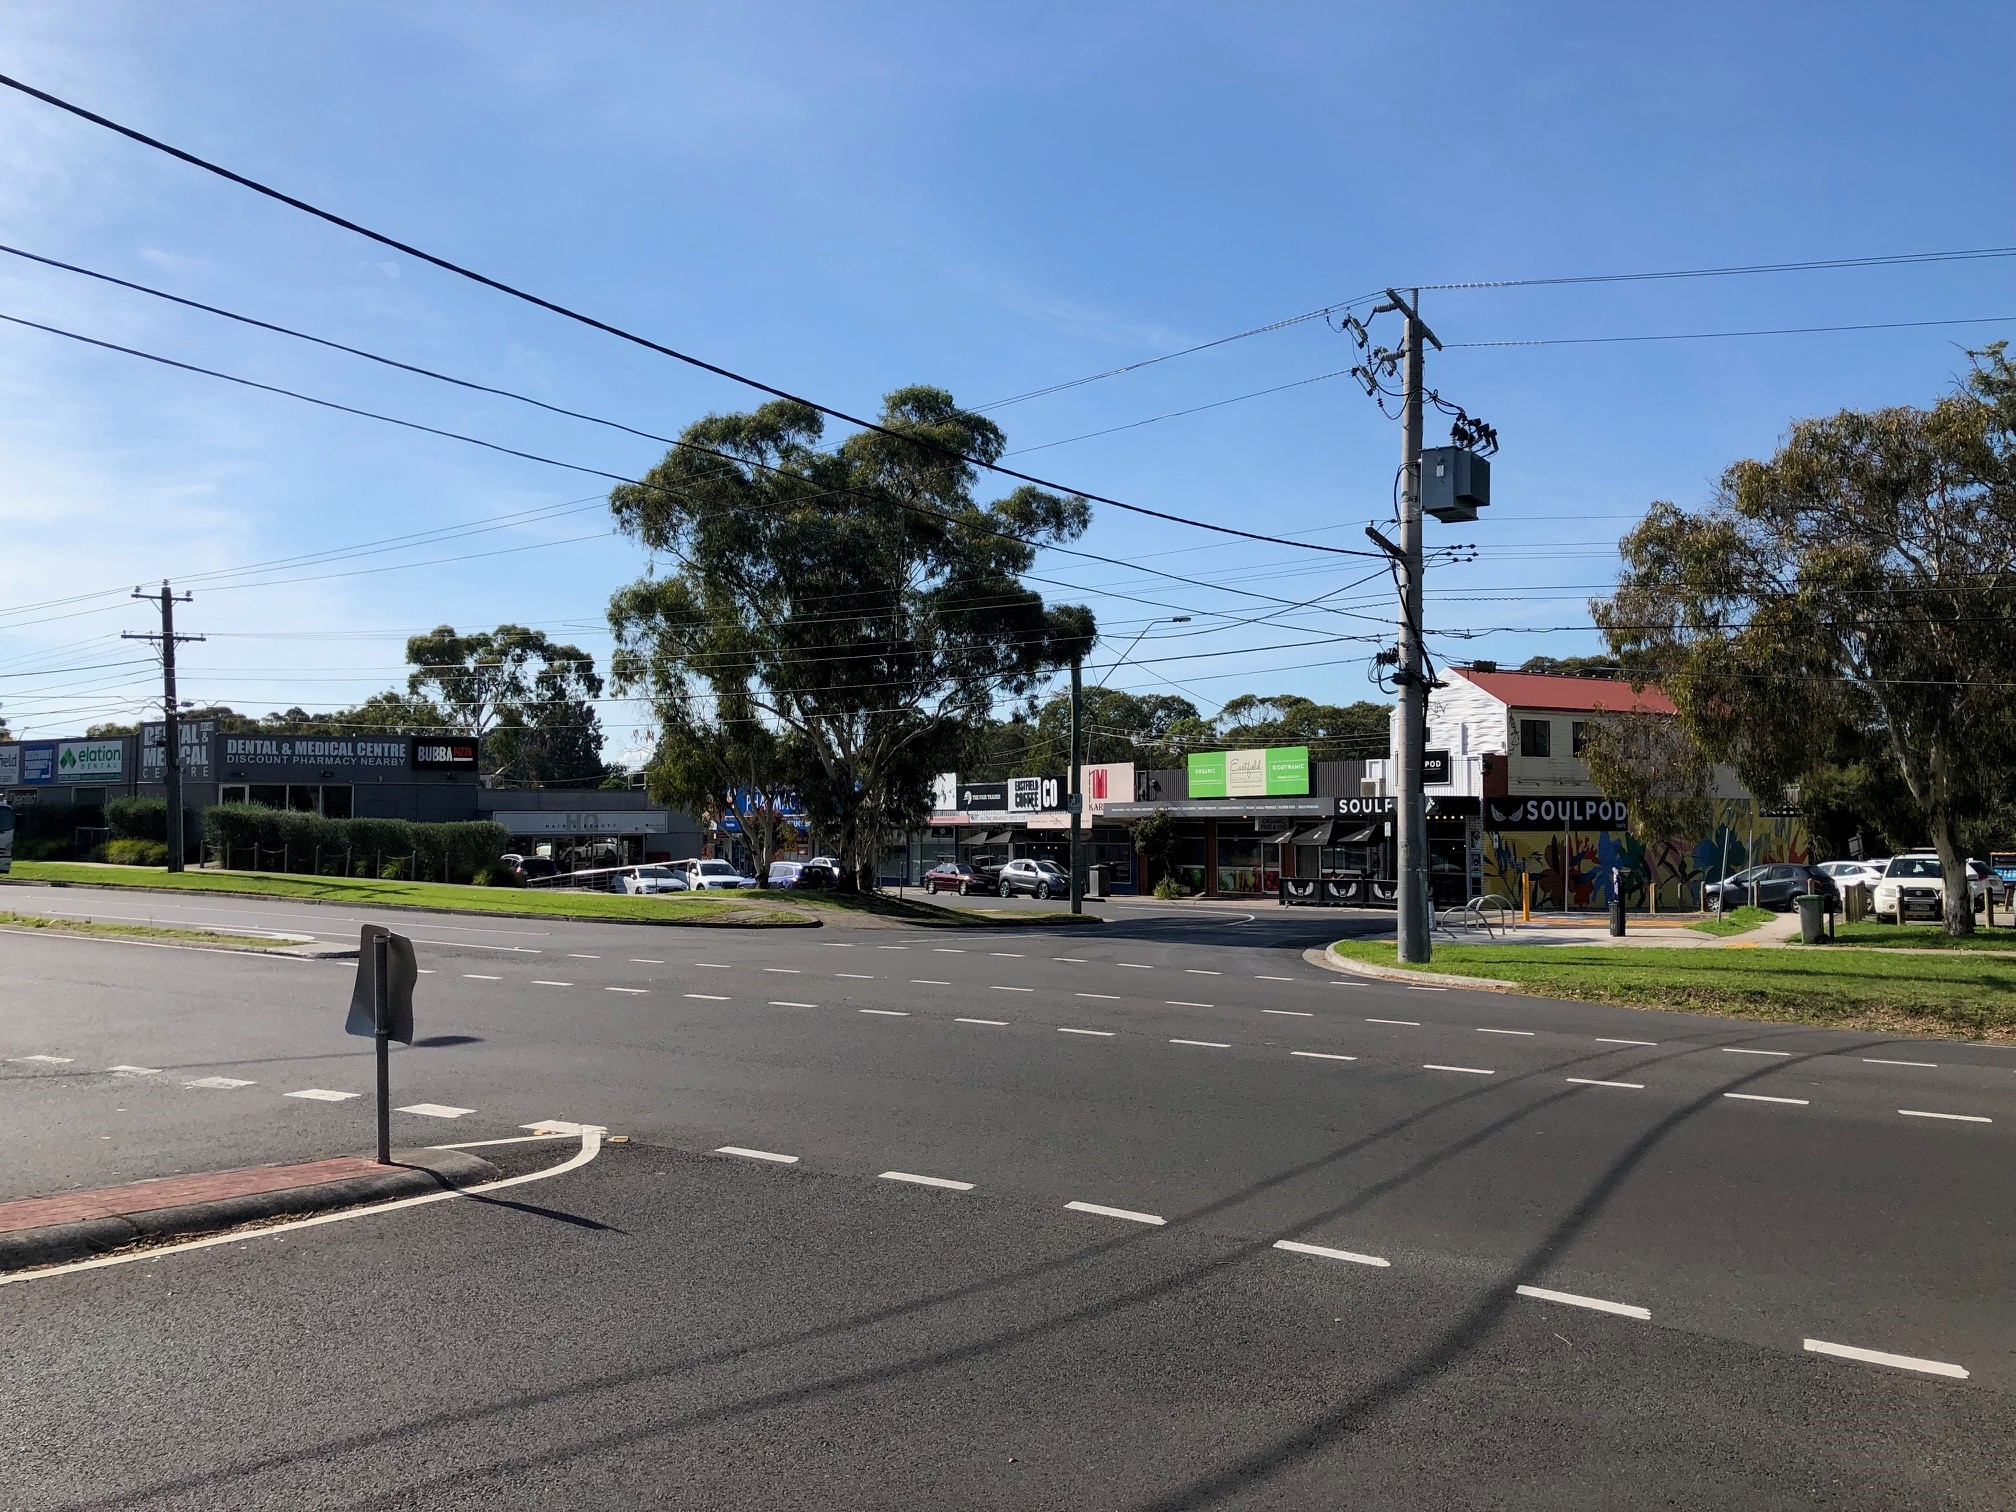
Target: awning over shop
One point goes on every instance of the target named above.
(997, 837)
(1330, 832)
(1286, 837)
(1319, 834)
(1358, 836)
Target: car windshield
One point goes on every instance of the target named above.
(651, 871)
(1914, 866)
(717, 869)
(1748, 874)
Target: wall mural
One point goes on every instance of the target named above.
(1681, 864)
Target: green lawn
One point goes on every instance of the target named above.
(758, 909)
(10, 920)
(1840, 989)
(1736, 921)
(1923, 937)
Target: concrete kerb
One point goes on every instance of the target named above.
(1322, 956)
(413, 1173)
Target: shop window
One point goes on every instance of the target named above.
(1241, 860)
(336, 801)
(1536, 737)
(271, 795)
(232, 793)
(304, 798)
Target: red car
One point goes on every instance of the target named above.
(959, 877)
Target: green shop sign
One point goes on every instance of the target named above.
(1277, 771)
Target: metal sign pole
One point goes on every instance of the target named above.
(382, 1039)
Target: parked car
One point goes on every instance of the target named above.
(961, 877)
(801, 875)
(1038, 878)
(1914, 887)
(1771, 886)
(711, 876)
(646, 879)
(530, 869)
(1846, 872)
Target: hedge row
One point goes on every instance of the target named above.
(147, 819)
(249, 837)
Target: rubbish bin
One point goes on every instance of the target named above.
(1095, 882)
(1812, 920)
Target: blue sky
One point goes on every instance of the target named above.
(847, 199)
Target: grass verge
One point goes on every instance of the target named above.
(10, 920)
(1837, 989)
(1736, 921)
(888, 906)
(1921, 937)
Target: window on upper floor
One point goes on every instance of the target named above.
(1578, 733)
(1536, 737)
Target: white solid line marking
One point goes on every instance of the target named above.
(747, 1154)
(322, 1094)
(48, 1060)
(1006, 955)
(1113, 1212)
(1590, 1081)
(886, 1012)
(1273, 979)
(1202, 1044)
(1594, 1304)
(477, 976)
(1320, 1055)
(1179, 1003)
(136, 1070)
(1895, 1361)
(1739, 1050)
(219, 1083)
(1295, 1246)
(1528, 1033)
(779, 1003)
(1106, 997)
(436, 1110)
(1955, 1117)
(997, 1023)
(1796, 1102)
(1133, 966)
(1602, 1041)
(540, 982)
(927, 982)
(575, 955)
(1102, 1033)
(1011, 989)
(1410, 1023)
(854, 976)
(1870, 1060)
(1198, 971)
(1288, 1012)
(480, 1144)
(783, 970)
(559, 1128)
(930, 1181)
(1466, 1070)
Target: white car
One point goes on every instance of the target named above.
(1847, 873)
(1913, 887)
(646, 879)
(711, 876)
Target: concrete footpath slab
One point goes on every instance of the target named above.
(48, 1230)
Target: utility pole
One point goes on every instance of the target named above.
(1074, 801)
(1411, 809)
(171, 715)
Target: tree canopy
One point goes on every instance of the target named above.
(530, 698)
(1856, 593)
(859, 601)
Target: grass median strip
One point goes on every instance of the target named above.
(1959, 993)
(165, 934)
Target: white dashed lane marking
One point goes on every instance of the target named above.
(1195, 971)
(645, 961)
(1465, 1070)
(322, 1094)
(996, 1023)
(1202, 1044)
(539, 982)
(1006, 955)
(783, 970)
(884, 1012)
(1101, 1033)
(710, 965)
(1955, 1117)
(436, 1110)
(1894, 1361)
(854, 976)
(780, 1003)
(475, 976)
(136, 1070)
(1113, 1212)
(1324, 1252)
(1602, 1041)
(1011, 989)
(1072, 960)
(1796, 1102)
(1321, 1055)
(1870, 1060)
(1179, 1003)
(1740, 1050)
(1590, 1081)
(1104, 997)
(1273, 979)
(748, 1154)
(1594, 1304)
(1408, 1023)
(638, 990)
(1527, 1033)
(219, 1083)
(705, 997)
(1133, 966)
(930, 1181)
(1412, 988)
(575, 955)
(1288, 1012)
(946, 950)
(927, 982)
(47, 1060)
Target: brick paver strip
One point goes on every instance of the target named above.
(178, 1191)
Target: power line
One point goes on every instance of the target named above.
(1809, 265)
(646, 342)
(1872, 325)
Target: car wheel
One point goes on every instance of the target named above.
(963, 889)
(1007, 890)
(1042, 890)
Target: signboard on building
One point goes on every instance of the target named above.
(1025, 795)
(987, 797)
(945, 793)
(1555, 813)
(1113, 781)
(38, 762)
(254, 751)
(1436, 769)
(10, 766)
(1270, 772)
(434, 753)
(587, 824)
(90, 760)
(194, 738)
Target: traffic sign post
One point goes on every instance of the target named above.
(381, 1006)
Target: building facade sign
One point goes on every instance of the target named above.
(38, 762)
(1109, 782)
(433, 753)
(256, 751)
(945, 792)
(1436, 769)
(1555, 813)
(560, 822)
(1270, 772)
(193, 736)
(90, 760)
(10, 766)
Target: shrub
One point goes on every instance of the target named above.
(1167, 888)
(138, 819)
(128, 851)
(246, 835)
(497, 876)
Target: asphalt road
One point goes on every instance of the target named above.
(1695, 1199)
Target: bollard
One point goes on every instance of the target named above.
(1617, 902)
(1525, 897)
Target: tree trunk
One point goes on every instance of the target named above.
(1953, 867)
